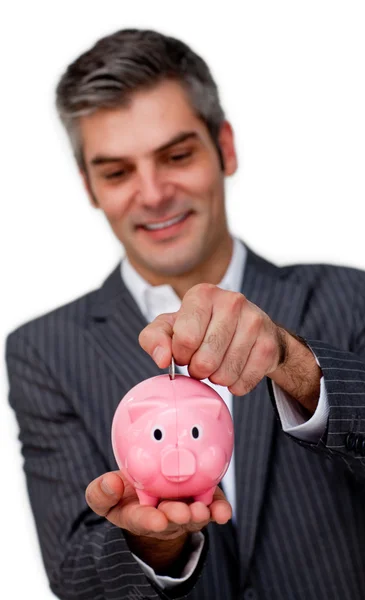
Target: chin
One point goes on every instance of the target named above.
(173, 267)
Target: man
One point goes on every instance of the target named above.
(285, 348)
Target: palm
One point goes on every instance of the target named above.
(170, 519)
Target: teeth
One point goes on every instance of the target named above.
(154, 226)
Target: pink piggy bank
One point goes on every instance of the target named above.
(172, 438)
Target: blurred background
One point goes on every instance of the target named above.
(291, 78)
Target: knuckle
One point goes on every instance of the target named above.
(268, 348)
(246, 384)
(143, 337)
(237, 300)
(202, 289)
(235, 364)
(147, 335)
(254, 324)
(215, 341)
(163, 318)
(251, 380)
(186, 340)
(90, 495)
(230, 370)
(204, 364)
(198, 312)
(95, 501)
(259, 317)
(218, 378)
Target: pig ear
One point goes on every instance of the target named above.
(213, 406)
(137, 408)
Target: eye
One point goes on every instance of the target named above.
(196, 432)
(180, 156)
(158, 434)
(115, 175)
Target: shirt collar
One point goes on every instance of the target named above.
(154, 300)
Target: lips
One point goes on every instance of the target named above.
(164, 224)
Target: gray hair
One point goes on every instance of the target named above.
(129, 60)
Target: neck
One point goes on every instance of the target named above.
(211, 270)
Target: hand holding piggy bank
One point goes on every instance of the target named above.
(172, 438)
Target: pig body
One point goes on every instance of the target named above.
(172, 438)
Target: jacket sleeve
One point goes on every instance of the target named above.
(85, 556)
(344, 377)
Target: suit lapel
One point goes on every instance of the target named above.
(254, 417)
(114, 324)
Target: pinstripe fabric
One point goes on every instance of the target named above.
(300, 518)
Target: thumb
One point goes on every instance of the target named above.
(104, 492)
(156, 339)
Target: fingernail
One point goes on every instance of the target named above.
(158, 354)
(106, 488)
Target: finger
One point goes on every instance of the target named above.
(211, 359)
(156, 338)
(191, 322)
(221, 511)
(140, 520)
(196, 513)
(247, 330)
(220, 508)
(192, 517)
(218, 336)
(176, 512)
(200, 513)
(104, 492)
(261, 358)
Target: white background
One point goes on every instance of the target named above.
(291, 76)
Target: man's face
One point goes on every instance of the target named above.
(153, 169)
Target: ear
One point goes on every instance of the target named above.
(213, 406)
(138, 408)
(226, 143)
(86, 181)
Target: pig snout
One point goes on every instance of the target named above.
(178, 464)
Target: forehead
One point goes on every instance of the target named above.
(152, 117)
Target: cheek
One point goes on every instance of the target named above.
(113, 201)
(202, 180)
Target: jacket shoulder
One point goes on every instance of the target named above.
(55, 320)
(315, 275)
(324, 274)
(72, 314)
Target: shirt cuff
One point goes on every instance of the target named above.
(166, 582)
(293, 419)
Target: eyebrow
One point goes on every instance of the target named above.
(101, 159)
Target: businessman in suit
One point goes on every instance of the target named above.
(285, 347)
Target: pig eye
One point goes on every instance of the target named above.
(196, 432)
(158, 434)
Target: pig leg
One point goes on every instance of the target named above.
(145, 499)
(207, 497)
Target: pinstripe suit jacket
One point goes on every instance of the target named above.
(300, 507)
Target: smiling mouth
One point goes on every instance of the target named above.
(165, 224)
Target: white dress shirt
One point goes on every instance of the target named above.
(154, 300)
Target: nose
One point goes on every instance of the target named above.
(153, 189)
(178, 464)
